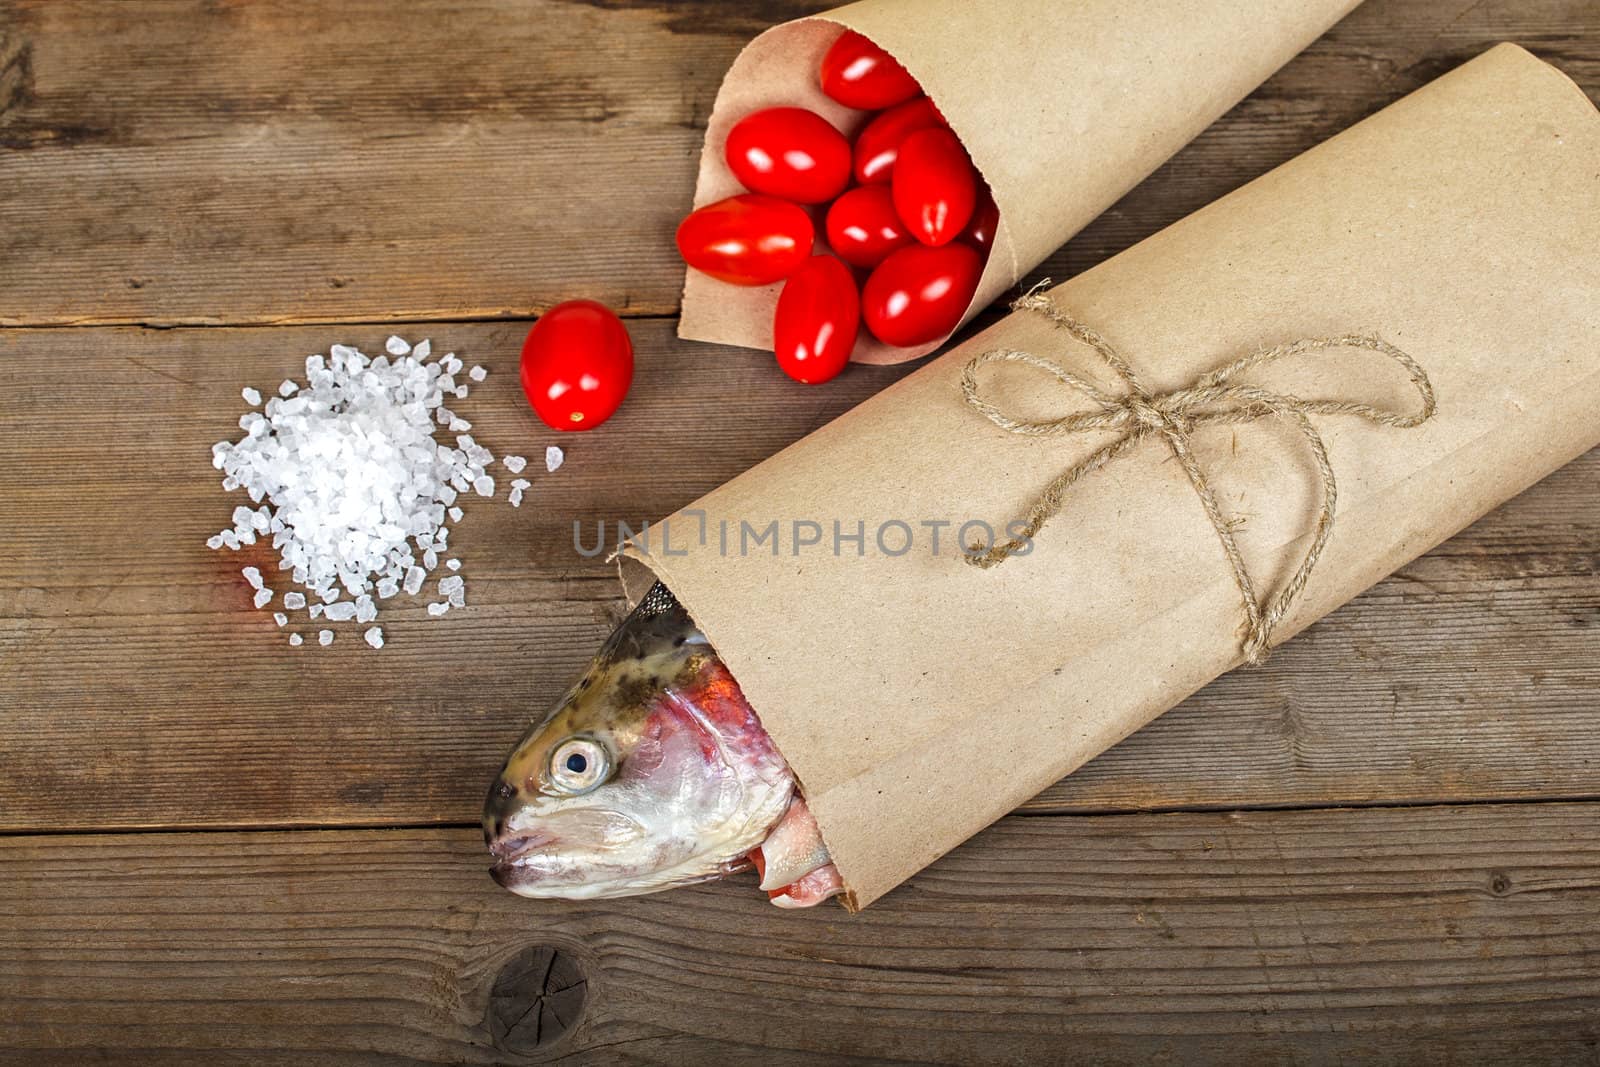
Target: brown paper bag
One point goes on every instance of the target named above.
(919, 698)
(1063, 108)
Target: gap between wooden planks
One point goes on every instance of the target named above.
(274, 161)
(141, 690)
(1432, 935)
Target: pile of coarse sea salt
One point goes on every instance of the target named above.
(357, 491)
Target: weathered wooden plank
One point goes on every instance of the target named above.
(279, 161)
(1425, 935)
(139, 688)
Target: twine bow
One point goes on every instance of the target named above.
(1214, 398)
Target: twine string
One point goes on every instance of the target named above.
(1215, 398)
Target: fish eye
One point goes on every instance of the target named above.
(579, 764)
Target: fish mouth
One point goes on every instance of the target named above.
(513, 855)
(558, 855)
(512, 847)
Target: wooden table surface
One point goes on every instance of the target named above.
(217, 848)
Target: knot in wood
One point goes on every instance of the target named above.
(538, 997)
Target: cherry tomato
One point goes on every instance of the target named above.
(577, 364)
(879, 140)
(857, 73)
(818, 316)
(985, 222)
(789, 152)
(863, 227)
(747, 239)
(918, 294)
(934, 188)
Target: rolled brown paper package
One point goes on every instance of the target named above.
(1062, 107)
(919, 698)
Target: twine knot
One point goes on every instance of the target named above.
(1149, 415)
(1213, 398)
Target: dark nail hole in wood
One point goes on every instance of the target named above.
(537, 998)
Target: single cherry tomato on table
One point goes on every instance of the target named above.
(577, 364)
(863, 226)
(789, 152)
(985, 221)
(747, 239)
(857, 73)
(918, 294)
(818, 317)
(934, 188)
(879, 140)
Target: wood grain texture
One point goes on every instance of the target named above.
(1425, 936)
(144, 690)
(215, 161)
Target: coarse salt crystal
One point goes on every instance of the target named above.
(396, 345)
(453, 564)
(483, 486)
(340, 611)
(514, 464)
(415, 576)
(315, 611)
(263, 597)
(251, 396)
(293, 601)
(477, 374)
(287, 388)
(280, 618)
(437, 609)
(423, 350)
(253, 576)
(374, 637)
(324, 637)
(456, 514)
(520, 483)
(553, 458)
(296, 640)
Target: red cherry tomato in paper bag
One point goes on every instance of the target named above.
(863, 226)
(789, 152)
(918, 294)
(985, 222)
(577, 364)
(857, 73)
(934, 188)
(747, 239)
(818, 317)
(878, 143)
